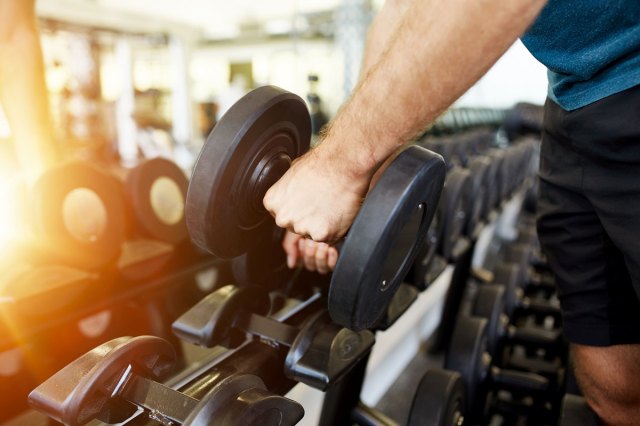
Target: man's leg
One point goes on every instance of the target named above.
(609, 378)
(581, 215)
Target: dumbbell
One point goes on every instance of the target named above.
(510, 275)
(112, 381)
(455, 204)
(439, 400)
(468, 355)
(252, 147)
(497, 158)
(320, 352)
(489, 304)
(155, 191)
(78, 216)
(480, 174)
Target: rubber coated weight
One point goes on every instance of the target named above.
(79, 212)
(490, 304)
(249, 149)
(244, 400)
(385, 238)
(156, 190)
(439, 400)
(82, 390)
(497, 159)
(210, 321)
(468, 355)
(424, 259)
(480, 168)
(264, 265)
(508, 275)
(456, 203)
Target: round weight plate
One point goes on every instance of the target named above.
(244, 400)
(79, 210)
(249, 149)
(439, 400)
(508, 275)
(156, 190)
(490, 305)
(468, 356)
(385, 237)
(264, 265)
(456, 199)
(497, 160)
(480, 168)
(417, 274)
(81, 391)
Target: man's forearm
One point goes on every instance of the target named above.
(384, 25)
(23, 93)
(440, 49)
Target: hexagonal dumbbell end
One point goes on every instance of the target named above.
(244, 400)
(210, 321)
(323, 352)
(84, 390)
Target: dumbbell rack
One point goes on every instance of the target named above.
(104, 292)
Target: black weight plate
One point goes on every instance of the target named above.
(480, 168)
(417, 274)
(497, 160)
(456, 208)
(490, 305)
(249, 149)
(508, 275)
(438, 401)
(156, 190)
(79, 210)
(244, 400)
(264, 265)
(468, 356)
(385, 238)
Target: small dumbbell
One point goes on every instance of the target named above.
(468, 355)
(489, 303)
(439, 400)
(510, 275)
(320, 352)
(112, 381)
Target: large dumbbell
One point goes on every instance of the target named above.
(112, 381)
(468, 355)
(252, 147)
(320, 352)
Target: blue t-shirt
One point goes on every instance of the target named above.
(590, 47)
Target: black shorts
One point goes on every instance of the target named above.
(589, 216)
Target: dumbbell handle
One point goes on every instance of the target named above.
(517, 380)
(268, 328)
(534, 336)
(165, 403)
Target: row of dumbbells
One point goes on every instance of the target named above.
(106, 254)
(111, 381)
(507, 345)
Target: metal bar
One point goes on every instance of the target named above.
(162, 402)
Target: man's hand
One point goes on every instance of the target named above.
(313, 256)
(318, 197)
